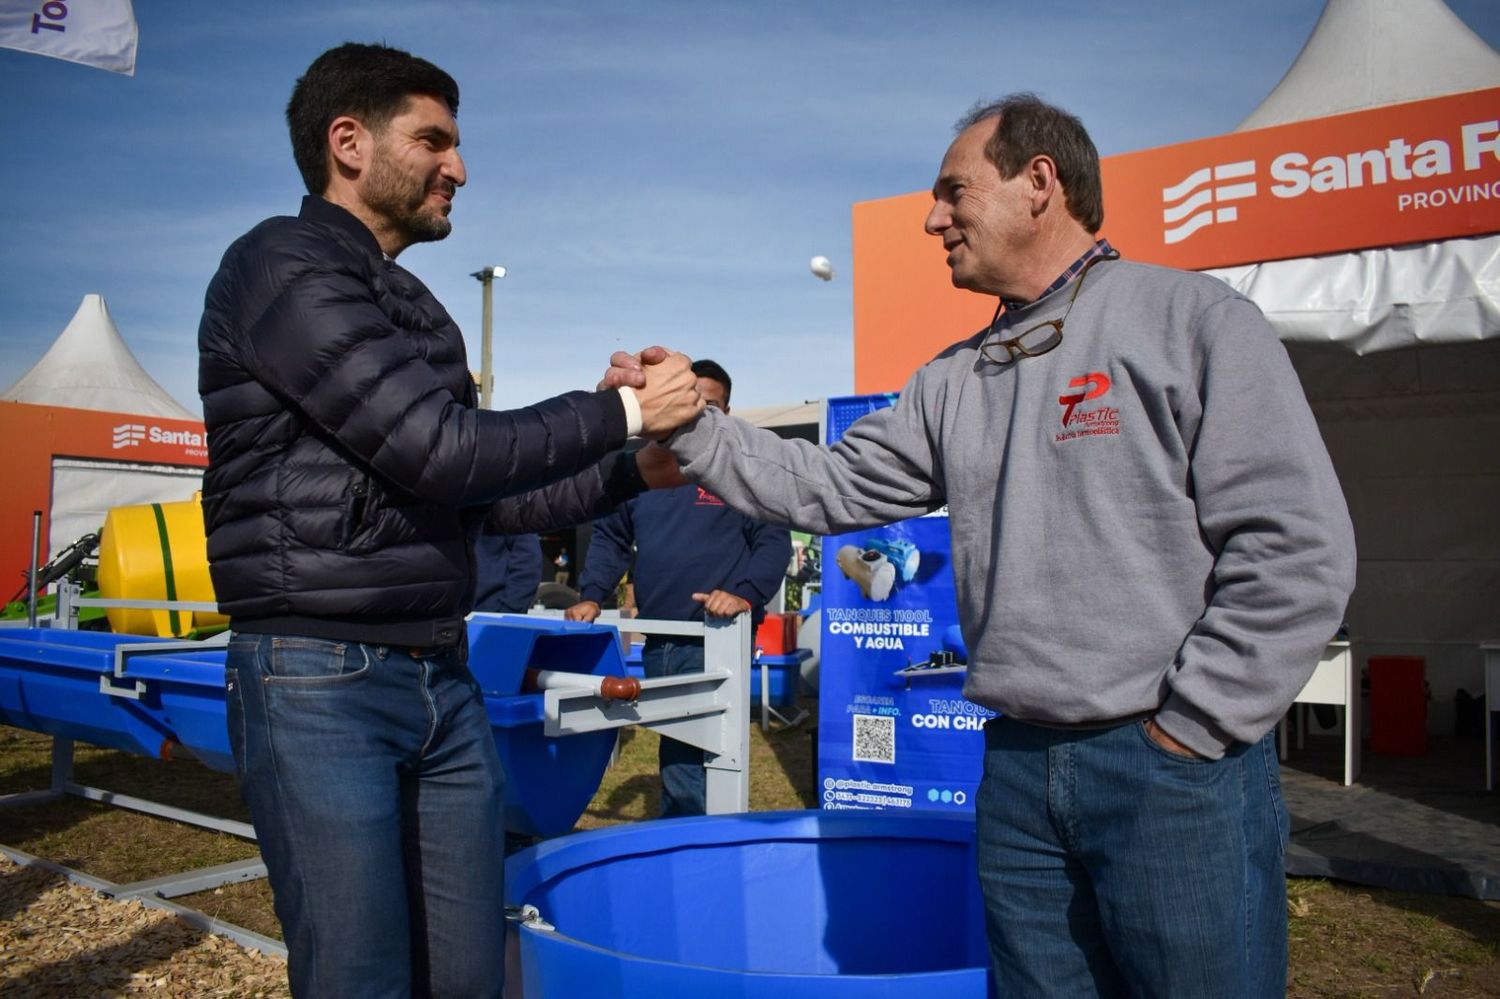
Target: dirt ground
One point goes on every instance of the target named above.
(61, 940)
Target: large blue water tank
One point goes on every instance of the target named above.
(774, 905)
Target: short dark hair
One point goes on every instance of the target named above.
(370, 82)
(1028, 127)
(711, 369)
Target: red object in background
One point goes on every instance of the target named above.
(777, 634)
(1398, 705)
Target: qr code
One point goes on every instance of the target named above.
(875, 738)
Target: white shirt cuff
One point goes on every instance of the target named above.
(633, 419)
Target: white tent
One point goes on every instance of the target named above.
(1364, 54)
(1413, 425)
(88, 366)
(1369, 53)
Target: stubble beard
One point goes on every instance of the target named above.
(402, 202)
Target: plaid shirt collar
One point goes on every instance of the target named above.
(1099, 249)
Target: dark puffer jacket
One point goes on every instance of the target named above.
(349, 468)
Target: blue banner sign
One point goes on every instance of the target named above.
(894, 728)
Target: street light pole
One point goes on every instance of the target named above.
(486, 277)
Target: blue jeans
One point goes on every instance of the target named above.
(1112, 867)
(376, 793)
(684, 782)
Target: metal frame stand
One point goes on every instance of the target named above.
(709, 710)
(157, 900)
(1334, 681)
(717, 655)
(766, 711)
(155, 892)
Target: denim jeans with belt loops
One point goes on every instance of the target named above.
(1114, 867)
(377, 798)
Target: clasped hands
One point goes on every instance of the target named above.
(664, 385)
(667, 391)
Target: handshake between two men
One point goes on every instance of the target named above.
(665, 388)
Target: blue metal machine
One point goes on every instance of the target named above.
(165, 699)
(774, 904)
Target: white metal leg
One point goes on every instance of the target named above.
(1333, 681)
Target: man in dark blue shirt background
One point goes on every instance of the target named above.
(508, 570)
(693, 555)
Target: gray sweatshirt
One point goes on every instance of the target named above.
(1144, 520)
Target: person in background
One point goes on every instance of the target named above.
(350, 470)
(508, 570)
(693, 556)
(1150, 551)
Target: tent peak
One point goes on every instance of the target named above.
(89, 366)
(1368, 53)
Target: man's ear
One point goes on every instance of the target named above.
(1041, 173)
(348, 144)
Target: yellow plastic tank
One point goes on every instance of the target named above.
(157, 551)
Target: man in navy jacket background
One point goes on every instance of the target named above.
(693, 555)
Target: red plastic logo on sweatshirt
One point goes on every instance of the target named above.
(1100, 421)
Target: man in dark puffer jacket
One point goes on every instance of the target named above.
(349, 472)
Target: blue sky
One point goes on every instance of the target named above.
(648, 173)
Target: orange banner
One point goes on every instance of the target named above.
(1407, 173)
(35, 435)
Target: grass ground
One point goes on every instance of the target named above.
(1346, 940)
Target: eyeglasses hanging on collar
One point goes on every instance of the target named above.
(1034, 341)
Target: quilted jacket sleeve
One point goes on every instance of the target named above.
(592, 493)
(327, 340)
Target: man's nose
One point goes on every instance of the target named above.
(938, 219)
(454, 170)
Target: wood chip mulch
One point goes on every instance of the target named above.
(60, 939)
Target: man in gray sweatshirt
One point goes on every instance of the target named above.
(1150, 550)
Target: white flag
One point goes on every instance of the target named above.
(94, 32)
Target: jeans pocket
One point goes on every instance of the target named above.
(1164, 752)
(314, 662)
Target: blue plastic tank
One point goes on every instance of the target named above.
(834, 905)
(187, 698)
(50, 682)
(549, 782)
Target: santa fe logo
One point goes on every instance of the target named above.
(1191, 205)
(1201, 198)
(128, 435)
